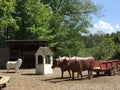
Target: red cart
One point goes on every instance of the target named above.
(110, 67)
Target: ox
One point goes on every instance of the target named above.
(79, 64)
(58, 63)
(14, 65)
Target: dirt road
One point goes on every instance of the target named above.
(26, 79)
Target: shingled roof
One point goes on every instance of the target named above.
(44, 51)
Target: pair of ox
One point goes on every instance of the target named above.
(75, 64)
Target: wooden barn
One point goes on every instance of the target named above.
(26, 50)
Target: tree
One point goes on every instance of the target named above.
(104, 50)
(25, 19)
(93, 40)
(33, 20)
(116, 39)
(71, 18)
(7, 22)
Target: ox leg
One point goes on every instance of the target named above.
(81, 75)
(89, 74)
(72, 75)
(78, 75)
(69, 73)
(62, 74)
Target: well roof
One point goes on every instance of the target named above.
(44, 51)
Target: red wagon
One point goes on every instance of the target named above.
(110, 67)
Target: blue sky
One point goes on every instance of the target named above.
(110, 22)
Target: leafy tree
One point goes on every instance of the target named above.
(104, 50)
(116, 39)
(7, 22)
(25, 19)
(71, 18)
(2, 40)
(93, 40)
(33, 20)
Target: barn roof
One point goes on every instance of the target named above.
(44, 51)
(22, 42)
(26, 44)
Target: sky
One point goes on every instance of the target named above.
(110, 22)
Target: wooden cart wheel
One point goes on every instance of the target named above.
(98, 73)
(112, 72)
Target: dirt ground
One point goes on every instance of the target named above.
(26, 79)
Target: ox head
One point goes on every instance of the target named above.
(56, 63)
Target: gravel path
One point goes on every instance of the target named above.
(26, 79)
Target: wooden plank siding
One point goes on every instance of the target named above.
(4, 57)
(25, 49)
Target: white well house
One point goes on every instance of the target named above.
(44, 59)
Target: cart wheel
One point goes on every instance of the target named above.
(112, 72)
(98, 73)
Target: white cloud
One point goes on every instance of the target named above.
(106, 27)
(117, 26)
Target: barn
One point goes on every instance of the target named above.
(26, 50)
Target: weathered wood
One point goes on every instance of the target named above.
(25, 49)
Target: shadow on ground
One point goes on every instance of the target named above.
(30, 74)
(57, 79)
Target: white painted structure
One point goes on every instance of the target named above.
(13, 65)
(44, 59)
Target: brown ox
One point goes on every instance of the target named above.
(58, 63)
(79, 65)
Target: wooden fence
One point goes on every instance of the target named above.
(4, 57)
